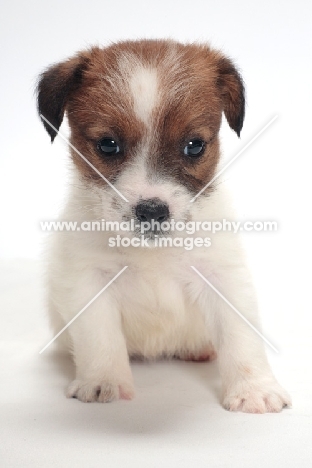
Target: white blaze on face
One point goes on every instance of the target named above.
(141, 85)
(144, 90)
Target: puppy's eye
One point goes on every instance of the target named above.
(108, 146)
(194, 148)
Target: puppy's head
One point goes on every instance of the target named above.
(146, 115)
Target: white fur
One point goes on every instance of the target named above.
(144, 89)
(158, 306)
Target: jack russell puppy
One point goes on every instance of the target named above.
(144, 118)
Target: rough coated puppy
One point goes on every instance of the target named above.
(146, 114)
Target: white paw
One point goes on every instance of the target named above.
(256, 397)
(99, 390)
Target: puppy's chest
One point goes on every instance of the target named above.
(157, 318)
(153, 298)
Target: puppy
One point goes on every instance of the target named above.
(146, 115)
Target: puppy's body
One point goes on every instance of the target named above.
(153, 100)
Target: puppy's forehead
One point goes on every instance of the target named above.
(144, 88)
(142, 80)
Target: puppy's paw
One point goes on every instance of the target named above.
(99, 390)
(256, 397)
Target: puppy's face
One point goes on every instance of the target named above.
(146, 115)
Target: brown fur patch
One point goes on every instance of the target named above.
(195, 85)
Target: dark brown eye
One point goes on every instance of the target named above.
(108, 146)
(194, 148)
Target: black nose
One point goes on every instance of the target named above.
(153, 208)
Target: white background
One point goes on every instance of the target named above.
(176, 419)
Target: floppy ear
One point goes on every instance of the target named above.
(232, 90)
(54, 89)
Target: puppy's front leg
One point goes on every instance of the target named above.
(99, 350)
(248, 382)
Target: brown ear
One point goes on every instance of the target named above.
(54, 88)
(232, 90)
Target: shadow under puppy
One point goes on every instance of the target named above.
(146, 114)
